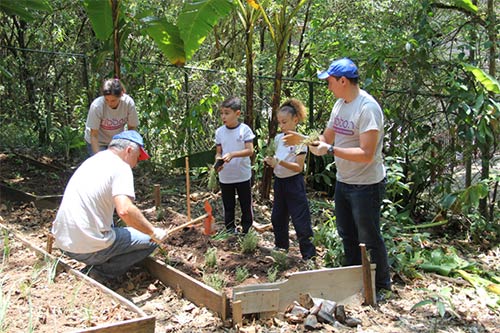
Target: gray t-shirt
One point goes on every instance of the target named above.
(84, 221)
(110, 121)
(349, 120)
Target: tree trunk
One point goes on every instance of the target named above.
(116, 37)
(273, 123)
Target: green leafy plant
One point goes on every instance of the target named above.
(213, 184)
(249, 242)
(308, 140)
(280, 260)
(221, 235)
(326, 235)
(441, 301)
(242, 274)
(215, 280)
(211, 257)
(272, 274)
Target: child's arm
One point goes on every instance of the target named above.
(248, 151)
(297, 166)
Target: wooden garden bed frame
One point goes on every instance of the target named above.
(336, 284)
(143, 324)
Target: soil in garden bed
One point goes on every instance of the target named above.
(34, 297)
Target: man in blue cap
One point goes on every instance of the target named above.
(354, 136)
(84, 228)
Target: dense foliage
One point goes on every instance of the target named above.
(431, 64)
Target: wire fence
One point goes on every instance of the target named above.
(177, 106)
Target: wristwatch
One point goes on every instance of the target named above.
(330, 151)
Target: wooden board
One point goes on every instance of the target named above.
(336, 284)
(144, 324)
(8, 193)
(192, 289)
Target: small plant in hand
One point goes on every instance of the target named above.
(308, 140)
(211, 257)
(271, 148)
(249, 242)
(213, 184)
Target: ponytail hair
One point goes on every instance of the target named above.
(295, 108)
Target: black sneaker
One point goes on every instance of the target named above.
(383, 295)
(280, 249)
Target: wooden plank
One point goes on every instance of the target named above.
(140, 325)
(63, 265)
(254, 301)
(8, 193)
(237, 313)
(192, 289)
(336, 284)
(144, 324)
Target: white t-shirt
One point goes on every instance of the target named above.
(110, 121)
(84, 220)
(286, 153)
(233, 139)
(349, 120)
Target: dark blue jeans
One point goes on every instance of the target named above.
(357, 210)
(244, 190)
(290, 200)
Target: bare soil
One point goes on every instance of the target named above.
(186, 249)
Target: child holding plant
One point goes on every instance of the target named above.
(290, 198)
(234, 146)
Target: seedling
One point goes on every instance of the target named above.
(271, 148)
(215, 280)
(280, 260)
(249, 242)
(272, 274)
(242, 274)
(213, 184)
(308, 140)
(221, 235)
(211, 257)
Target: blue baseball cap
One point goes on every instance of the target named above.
(341, 67)
(134, 137)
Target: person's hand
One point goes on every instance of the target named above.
(319, 148)
(272, 161)
(227, 157)
(219, 164)
(292, 138)
(159, 235)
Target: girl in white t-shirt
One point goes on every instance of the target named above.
(290, 198)
(234, 146)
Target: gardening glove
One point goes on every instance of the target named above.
(321, 148)
(159, 235)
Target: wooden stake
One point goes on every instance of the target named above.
(157, 195)
(367, 276)
(50, 241)
(237, 313)
(187, 190)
